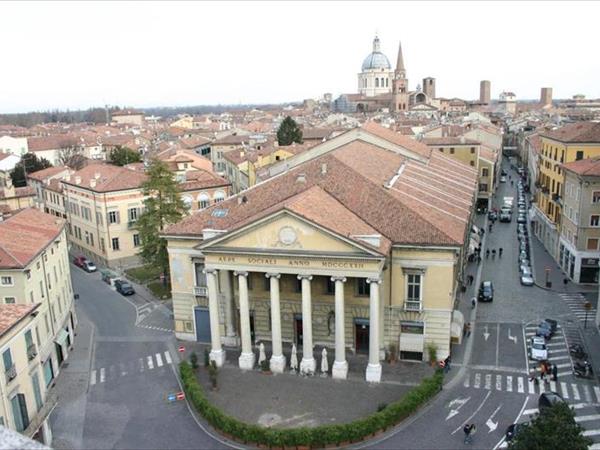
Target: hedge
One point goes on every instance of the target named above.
(315, 437)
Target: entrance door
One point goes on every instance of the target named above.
(298, 329)
(202, 318)
(252, 334)
(361, 332)
(59, 354)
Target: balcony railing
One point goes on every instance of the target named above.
(201, 291)
(31, 352)
(131, 224)
(11, 373)
(412, 305)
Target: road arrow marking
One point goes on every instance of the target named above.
(486, 334)
(457, 401)
(490, 423)
(512, 338)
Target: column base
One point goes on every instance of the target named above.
(277, 364)
(308, 366)
(246, 361)
(373, 374)
(218, 356)
(339, 370)
(230, 341)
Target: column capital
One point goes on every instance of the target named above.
(372, 280)
(272, 275)
(209, 270)
(338, 278)
(305, 277)
(240, 273)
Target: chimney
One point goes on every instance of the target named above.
(301, 178)
(93, 183)
(77, 179)
(462, 139)
(97, 175)
(68, 177)
(324, 169)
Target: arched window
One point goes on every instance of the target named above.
(376, 82)
(203, 201)
(219, 196)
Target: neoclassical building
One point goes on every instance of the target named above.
(357, 245)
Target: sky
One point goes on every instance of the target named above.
(59, 55)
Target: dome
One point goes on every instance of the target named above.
(376, 60)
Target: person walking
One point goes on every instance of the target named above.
(490, 227)
(500, 253)
(533, 377)
(473, 302)
(447, 364)
(469, 431)
(555, 372)
(487, 253)
(468, 329)
(493, 253)
(543, 371)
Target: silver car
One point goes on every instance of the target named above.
(527, 280)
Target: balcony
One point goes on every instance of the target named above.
(31, 352)
(11, 373)
(200, 291)
(557, 198)
(545, 190)
(412, 305)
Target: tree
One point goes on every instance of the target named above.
(164, 206)
(554, 428)
(121, 156)
(289, 132)
(71, 156)
(29, 163)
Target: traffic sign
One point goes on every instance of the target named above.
(181, 349)
(180, 395)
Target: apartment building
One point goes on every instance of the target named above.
(573, 142)
(103, 203)
(25, 405)
(35, 272)
(49, 190)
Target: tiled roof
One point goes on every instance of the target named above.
(202, 179)
(54, 142)
(108, 178)
(49, 172)
(25, 191)
(26, 234)
(579, 132)
(232, 139)
(428, 204)
(449, 140)
(589, 166)
(10, 315)
(396, 138)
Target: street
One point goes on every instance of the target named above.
(123, 400)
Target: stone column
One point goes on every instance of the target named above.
(308, 363)
(246, 359)
(340, 365)
(277, 361)
(230, 335)
(373, 373)
(217, 354)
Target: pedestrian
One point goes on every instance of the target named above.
(490, 227)
(471, 278)
(565, 281)
(493, 253)
(555, 372)
(500, 252)
(469, 431)
(533, 377)
(468, 329)
(487, 253)
(447, 364)
(543, 371)
(465, 330)
(478, 258)
(473, 302)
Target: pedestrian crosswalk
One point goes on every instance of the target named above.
(576, 302)
(521, 384)
(139, 365)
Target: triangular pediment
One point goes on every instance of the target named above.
(286, 232)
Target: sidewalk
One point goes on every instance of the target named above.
(71, 386)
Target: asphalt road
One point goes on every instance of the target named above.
(131, 373)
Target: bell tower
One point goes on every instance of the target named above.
(400, 84)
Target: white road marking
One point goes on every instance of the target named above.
(488, 381)
(531, 387)
(169, 360)
(123, 371)
(150, 363)
(542, 389)
(159, 362)
(562, 366)
(93, 377)
(553, 386)
(556, 344)
(591, 432)
(477, 383)
(498, 382)
(587, 418)
(587, 393)
(576, 395)
(558, 358)
(595, 446)
(475, 413)
(466, 383)
(564, 390)
(520, 385)
(509, 381)
(102, 375)
(597, 392)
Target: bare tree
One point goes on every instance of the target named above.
(72, 156)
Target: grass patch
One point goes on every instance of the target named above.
(143, 274)
(159, 290)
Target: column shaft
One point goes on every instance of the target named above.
(246, 359)
(228, 294)
(277, 361)
(373, 373)
(340, 365)
(308, 363)
(216, 353)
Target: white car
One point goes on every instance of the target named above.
(527, 280)
(537, 349)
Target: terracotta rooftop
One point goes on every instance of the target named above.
(449, 140)
(49, 172)
(202, 179)
(24, 235)
(232, 139)
(579, 132)
(11, 315)
(589, 166)
(396, 138)
(108, 178)
(53, 142)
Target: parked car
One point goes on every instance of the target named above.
(513, 430)
(486, 292)
(492, 215)
(524, 262)
(522, 228)
(527, 280)
(89, 266)
(505, 216)
(538, 349)
(79, 260)
(523, 246)
(502, 179)
(124, 287)
(523, 254)
(521, 218)
(547, 328)
(548, 399)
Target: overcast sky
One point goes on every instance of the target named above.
(79, 55)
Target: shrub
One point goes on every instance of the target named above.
(432, 351)
(206, 358)
(212, 374)
(314, 437)
(194, 360)
(265, 366)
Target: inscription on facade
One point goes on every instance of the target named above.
(305, 263)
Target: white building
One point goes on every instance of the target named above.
(376, 74)
(14, 146)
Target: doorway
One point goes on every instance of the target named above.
(59, 354)
(202, 318)
(298, 329)
(361, 333)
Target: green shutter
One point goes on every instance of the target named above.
(35, 381)
(7, 357)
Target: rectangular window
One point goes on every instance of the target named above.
(579, 155)
(113, 217)
(87, 238)
(48, 372)
(483, 187)
(9, 300)
(102, 246)
(42, 289)
(132, 214)
(92, 239)
(99, 218)
(594, 220)
(596, 197)
(485, 172)
(413, 291)
(329, 286)
(28, 339)
(6, 281)
(115, 244)
(452, 150)
(19, 409)
(362, 287)
(55, 275)
(592, 244)
(7, 360)
(136, 240)
(472, 150)
(31, 296)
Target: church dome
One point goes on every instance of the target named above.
(376, 59)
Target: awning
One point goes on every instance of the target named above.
(62, 336)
